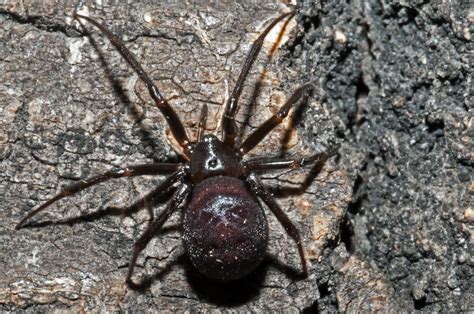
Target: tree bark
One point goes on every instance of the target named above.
(386, 225)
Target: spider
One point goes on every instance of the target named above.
(225, 231)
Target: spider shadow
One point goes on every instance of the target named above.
(146, 282)
(222, 293)
(233, 293)
(283, 191)
(237, 292)
(256, 91)
(121, 94)
(108, 211)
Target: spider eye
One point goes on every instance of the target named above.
(212, 163)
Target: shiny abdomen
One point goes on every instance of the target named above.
(225, 229)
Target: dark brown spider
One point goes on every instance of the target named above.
(225, 231)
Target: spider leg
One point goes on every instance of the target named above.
(229, 127)
(132, 171)
(153, 228)
(257, 187)
(263, 164)
(175, 124)
(150, 199)
(261, 79)
(265, 128)
(202, 122)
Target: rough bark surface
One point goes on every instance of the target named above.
(386, 226)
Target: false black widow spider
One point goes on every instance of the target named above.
(225, 231)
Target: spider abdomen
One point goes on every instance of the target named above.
(225, 229)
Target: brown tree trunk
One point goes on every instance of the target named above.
(387, 225)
